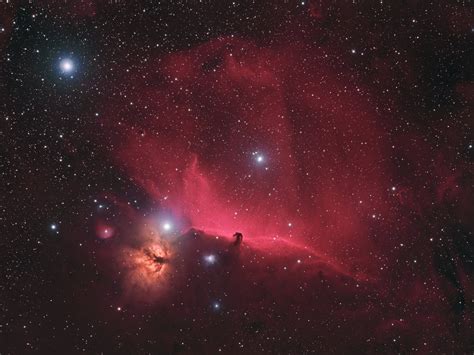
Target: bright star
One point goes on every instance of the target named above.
(66, 65)
(210, 259)
(167, 226)
(259, 158)
(54, 226)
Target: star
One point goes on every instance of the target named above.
(167, 226)
(210, 259)
(66, 66)
(259, 158)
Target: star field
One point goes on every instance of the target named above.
(282, 177)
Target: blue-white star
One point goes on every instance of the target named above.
(67, 66)
(167, 226)
(210, 259)
(259, 158)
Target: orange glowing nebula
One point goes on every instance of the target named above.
(146, 269)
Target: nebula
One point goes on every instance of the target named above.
(283, 177)
(272, 141)
(327, 180)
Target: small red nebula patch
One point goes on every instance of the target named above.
(104, 231)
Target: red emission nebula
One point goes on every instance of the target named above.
(269, 141)
(275, 177)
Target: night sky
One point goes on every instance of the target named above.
(138, 137)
